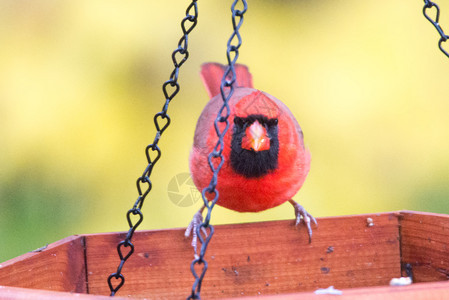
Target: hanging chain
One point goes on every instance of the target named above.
(152, 151)
(428, 5)
(215, 158)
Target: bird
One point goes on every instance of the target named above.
(265, 159)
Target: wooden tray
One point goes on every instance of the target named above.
(270, 259)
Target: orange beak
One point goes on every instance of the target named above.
(256, 138)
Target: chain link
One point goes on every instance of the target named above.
(435, 22)
(153, 152)
(215, 158)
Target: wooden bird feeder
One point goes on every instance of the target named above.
(358, 255)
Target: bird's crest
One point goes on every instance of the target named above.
(212, 74)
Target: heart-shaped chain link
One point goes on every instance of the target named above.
(428, 6)
(120, 248)
(161, 120)
(215, 157)
(440, 45)
(115, 287)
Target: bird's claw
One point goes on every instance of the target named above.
(193, 228)
(301, 213)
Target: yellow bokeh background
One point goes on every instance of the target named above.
(80, 82)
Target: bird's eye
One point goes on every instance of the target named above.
(239, 121)
(272, 122)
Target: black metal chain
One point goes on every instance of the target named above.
(215, 158)
(444, 37)
(152, 151)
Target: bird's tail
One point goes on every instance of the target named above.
(212, 73)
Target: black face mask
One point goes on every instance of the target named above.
(250, 163)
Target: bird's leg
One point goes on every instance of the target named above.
(193, 227)
(301, 212)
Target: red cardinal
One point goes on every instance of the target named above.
(266, 162)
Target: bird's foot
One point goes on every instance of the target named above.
(301, 213)
(192, 229)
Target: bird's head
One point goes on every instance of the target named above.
(255, 144)
(255, 131)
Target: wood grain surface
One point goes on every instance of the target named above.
(13, 293)
(425, 245)
(419, 291)
(271, 259)
(58, 267)
(254, 259)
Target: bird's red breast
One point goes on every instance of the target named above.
(251, 179)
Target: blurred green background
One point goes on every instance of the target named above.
(81, 80)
